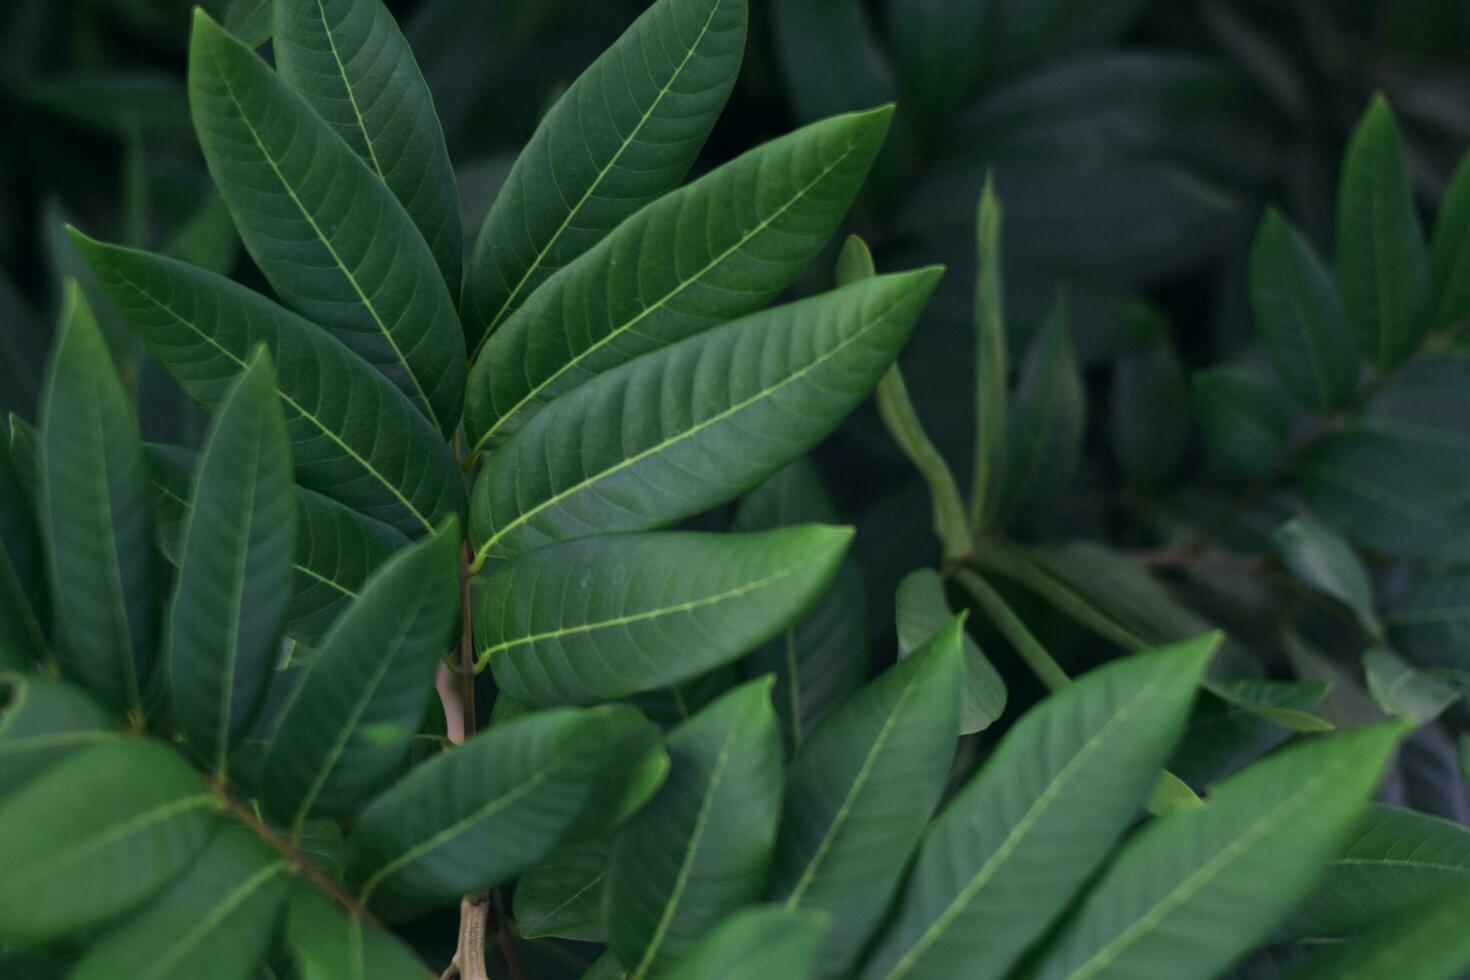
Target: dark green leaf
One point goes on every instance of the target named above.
(1149, 423)
(921, 612)
(830, 57)
(758, 943)
(41, 722)
(99, 536)
(603, 617)
(1449, 253)
(1044, 441)
(21, 547)
(1401, 690)
(328, 234)
(1427, 942)
(1246, 419)
(625, 132)
(327, 943)
(1430, 622)
(688, 427)
(562, 895)
(1324, 561)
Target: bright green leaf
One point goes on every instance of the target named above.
(1427, 942)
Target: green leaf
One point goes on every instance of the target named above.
(861, 789)
(1299, 316)
(830, 57)
(350, 725)
(1401, 690)
(353, 437)
(231, 593)
(478, 815)
(1321, 559)
(99, 539)
(690, 426)
(922, 611)
(1381, 259)
(722, 247)
(624, 134)
(41, 722)
(1246, 419)
(1008, 853)
(1394, 859)
(327, 943)
(249, 20)
(987, 484)
(567, 625)
(902, 422)
(95, 835)
(1430, 620)
(326, 232)
(217, 919)
(1426, 942)
(1044, 441)
(757, 943)
(1277, 701)
(1255, 849)
(351, 64)
(1238, 721)
(207, 238)
(822, 657)
(21, 547)
(1449, 252)
(702, 847)
(562, 895)
(1149, 420)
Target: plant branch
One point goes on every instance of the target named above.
(1026, 645)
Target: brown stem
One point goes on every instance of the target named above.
(504, 939)
(466, 642)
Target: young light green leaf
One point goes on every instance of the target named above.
(921, 612)
(701, 848)
(692, 425)
(1299, 316)
(625, 133)
(217, 919)
(95, 835)
(561, 896)
(1449, 252)
(1255, 849)
(1401, 690)
(1321, 559)
(327, 943)
(567, 625)
(351, 64)
(991, 366)
(326, 232)
(353, 436)
(1044, 441)
(1246, 419)
(103, 566)
(479, 815)
(1427, 941)
(722, 247)
(860, 790)
(1008, 853)
(757, 943)
(233, 587)
(1381, 260)
(350, 725)
(41, 722)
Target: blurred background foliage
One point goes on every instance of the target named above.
(1134, 146)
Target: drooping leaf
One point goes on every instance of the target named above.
(1246, 419)
(1255, 850)
(477, 816)
(1401, 690)
(720, 248)
(922, 612)
(231, 593)
(327, 943)
(1381, 259)
(600, 618)
(757, 943)
(41, 722)
(1449, 252)
(860, 790)
(217, 919)
(692, 425)
(335, 244)
(103, 567)
(1044, 441)
(349, 726)
(351, 64)
(702, 846)
(353, 437)
(625, 133)
(1299, 316)
(1321, 559)
(1426, 941)
(95, 835)
(1007, 854)
(562, 894)
(822, 657)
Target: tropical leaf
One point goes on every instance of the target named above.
(701, 848)
(625, 133)
(1009, 852)
(353, 437)
(562, 895)
(479, 815)
(1426, 942)
(349, 726)
(860, 790)
(600, 618)
(922, 612)
(327, 943)
(1193, 892)
(41, 722)
(328, 234)
(755, 944)
(103, 567)
(217, 919)
(351, 64)
(95, 835)
(692, 425)
(233, 587)
(722, 247)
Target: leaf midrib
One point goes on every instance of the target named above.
(351, 94)
(216, 915)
